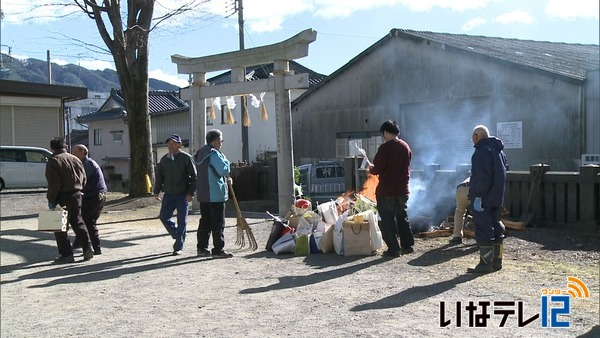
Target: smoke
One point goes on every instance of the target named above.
(432, 198)
(439, 135)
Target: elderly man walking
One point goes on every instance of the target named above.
(94, 195)
(176, 176)
(66, 178)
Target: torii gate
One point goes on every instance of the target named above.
(279, 54)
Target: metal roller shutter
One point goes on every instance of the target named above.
(440, 132)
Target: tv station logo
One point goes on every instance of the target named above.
(555, 307)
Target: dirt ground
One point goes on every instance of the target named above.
(137, 288)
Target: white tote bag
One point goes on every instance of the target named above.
(376, 239)
(53, 220)
(338, 234)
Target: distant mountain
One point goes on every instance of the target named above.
(33, 70)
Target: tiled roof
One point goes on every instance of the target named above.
(79, 137)
(262, 72)
(160, 102)
(102, 115)
(567, 59)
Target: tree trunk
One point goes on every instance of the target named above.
(138, 121)
(129, 47)
(134, 85)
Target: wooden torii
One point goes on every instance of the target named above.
(279, 54)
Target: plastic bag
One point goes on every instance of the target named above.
(284, 244)
(338, 234)
(304, 227)
(329, 212)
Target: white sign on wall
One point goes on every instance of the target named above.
(590, 159)
(511, 134)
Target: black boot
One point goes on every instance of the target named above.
(486, 258)
(498, 248)
(88, 253)
(76, 244)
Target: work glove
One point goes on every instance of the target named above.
(51, 205)
(477, 204)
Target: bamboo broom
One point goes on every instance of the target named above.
(242, 226)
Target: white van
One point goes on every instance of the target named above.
(322, 181)
(23, 167)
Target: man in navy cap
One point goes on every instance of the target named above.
(176, 176)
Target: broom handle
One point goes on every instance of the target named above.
(235, 202)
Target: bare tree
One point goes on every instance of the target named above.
(126, 36)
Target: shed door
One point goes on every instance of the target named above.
(440, 132)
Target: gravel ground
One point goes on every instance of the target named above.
(137, 288)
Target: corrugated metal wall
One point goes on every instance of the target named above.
(164, 126)
(36, 126)
(6, 130)
(592, 113)
(427, 86)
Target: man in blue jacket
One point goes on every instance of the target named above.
(486, 193)
(94, 195)
(176, 176)
(213, 168)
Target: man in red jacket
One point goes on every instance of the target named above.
(392, 164)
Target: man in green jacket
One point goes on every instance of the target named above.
(176, 176)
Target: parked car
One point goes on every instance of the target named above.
(322, 181)
(23, 167)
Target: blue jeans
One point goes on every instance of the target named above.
(176, 230)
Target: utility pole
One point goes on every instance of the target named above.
(245, 147)
(49, 67)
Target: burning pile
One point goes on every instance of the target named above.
(359, 202)
(347, 225)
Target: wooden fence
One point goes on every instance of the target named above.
(568, 200)
(558, 199)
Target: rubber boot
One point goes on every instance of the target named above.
(486, 258)
(498, 248)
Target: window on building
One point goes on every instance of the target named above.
(223, 114)
(117, 136)
(209, 121)
(97, 137)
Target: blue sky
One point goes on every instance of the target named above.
(344, 27)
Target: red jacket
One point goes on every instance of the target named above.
(392, 164)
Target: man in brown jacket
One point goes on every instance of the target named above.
(66, 178)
